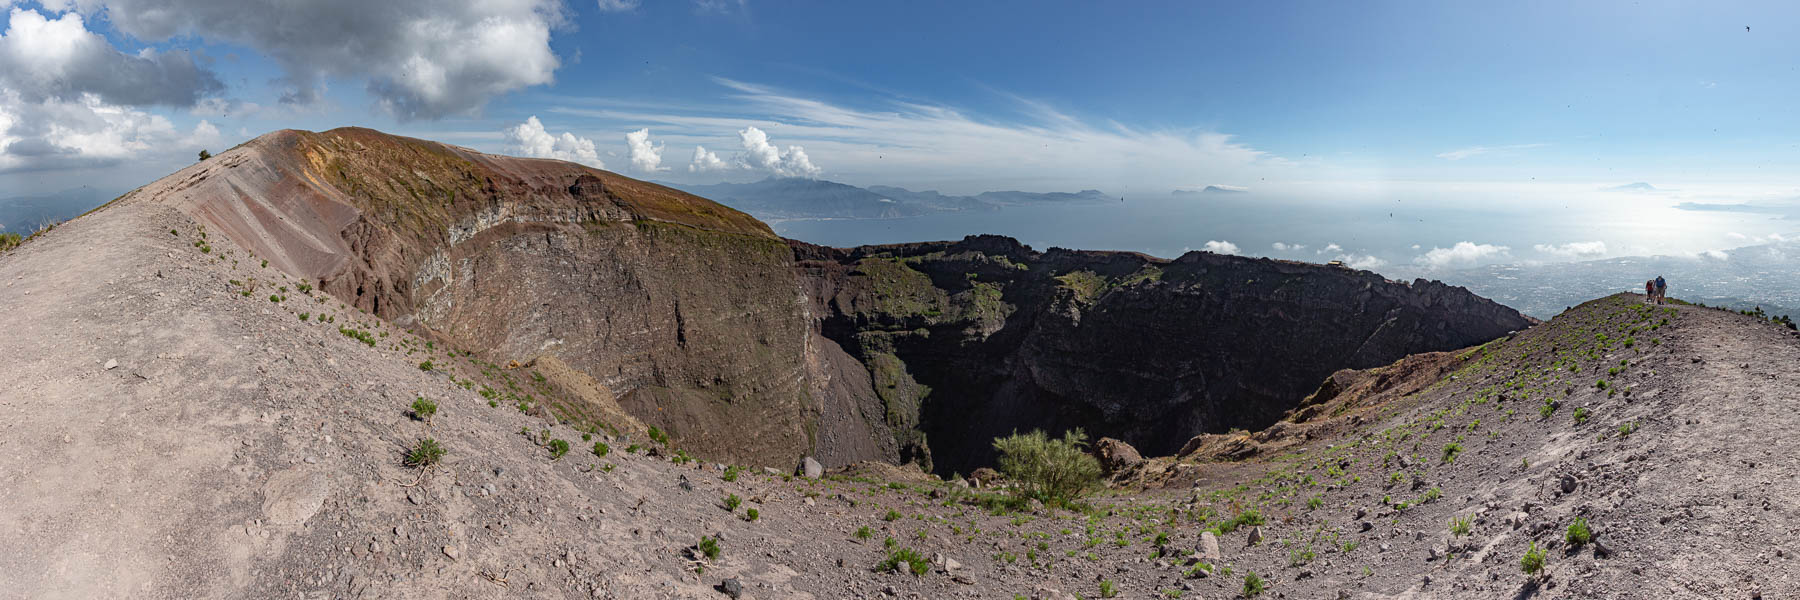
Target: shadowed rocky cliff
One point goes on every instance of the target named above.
(970, 340)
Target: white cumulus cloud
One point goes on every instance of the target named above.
(1330, 248)
(1284, 247)
(1462, 254)
(759, 154)
(420, 59)
(1574, 249)
(1715, 254)
(1361, 261)
(618, 5)
(645, 157)
(1220, 247)
(706, 162)
(530, 139)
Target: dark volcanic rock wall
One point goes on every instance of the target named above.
(973, 339)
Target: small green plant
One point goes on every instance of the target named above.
(1461, 526)
(304, 316)
(907, 558)
(1533, 562)
(1628, 428)
(710, 548)
(1450, 451)
(1578, 533)
(731, 473)
(601, 449)
(1581, 415)
(1108, 590)
(558, 448)
(732, 502)
(863, 533)
(1312, 503)
(752, 514)
(425, 366)
(423, 409)
(658, 436)
(891, 516)
(1253, 585)
(426, 453)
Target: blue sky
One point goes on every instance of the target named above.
(1452, 103)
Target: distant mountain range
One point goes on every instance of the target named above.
(24, 214)
(795, 198)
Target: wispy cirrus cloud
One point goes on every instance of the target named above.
(946, 146)
(1472, 151)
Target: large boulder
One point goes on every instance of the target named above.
(810, 468)
(1116, 456)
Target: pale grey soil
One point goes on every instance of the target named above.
(237, 451)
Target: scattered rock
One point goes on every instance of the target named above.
(1209, 547)
(1568, 484)
(731, 587)
(452, 552)
(810, 468)
(984, 477)
(1116, 456)
(1256, 536)
(112, 363)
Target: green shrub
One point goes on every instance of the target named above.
(1578, 533)
(1108, 589)
(423, 409)
(601, 449)
(1451, 450)
(731, 472)
(863, 533)
(710, 548)
(1254, 585)
(1581, 415)
(1533, 562)
(304, 316)
(1053, 471)
(891, 516)
(658, 436)
(428, 452)
(425, 366)
(732, 502)
(752, 514)
(1250, 517)
(557, 448)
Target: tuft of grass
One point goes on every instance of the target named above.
(732, 502)
(425, 366)
(863, 533)
(1108, 589)
(601, 449)
(752, 515)
(1533, 562)
(423, 409)
(558, 448)
(1461, 526)
(731, 473)
(1450, 451)
(908, 558)
(658, 436)
(891, 516)
(1578, 533)
(426, 453)
(1581, 415)
(1627, 429)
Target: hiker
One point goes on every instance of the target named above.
(1649, 291)
(1662, 289)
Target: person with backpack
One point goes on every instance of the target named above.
(1662, 289)
(1649, 291)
